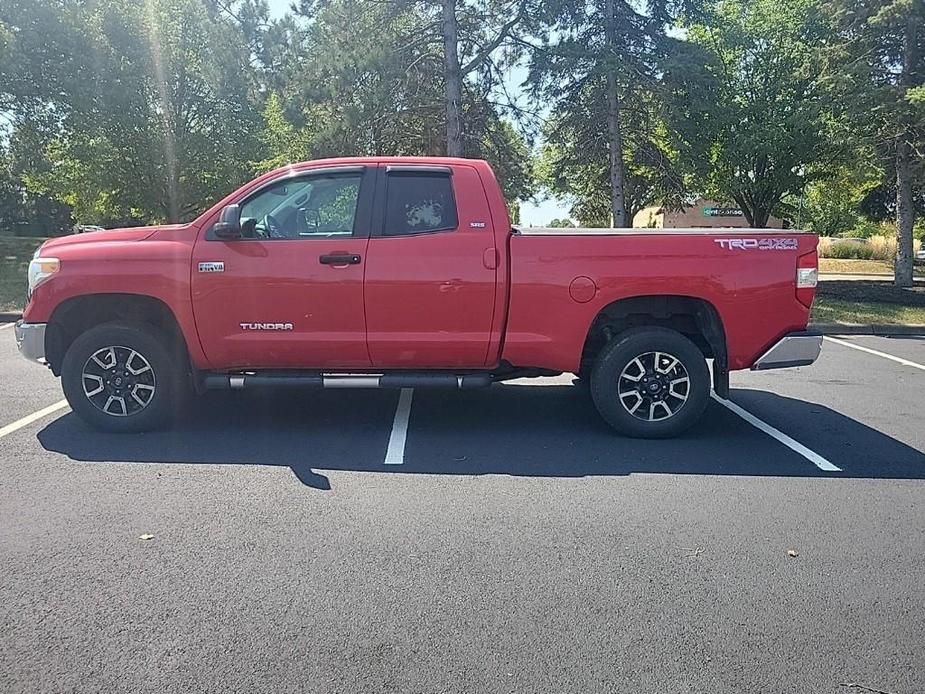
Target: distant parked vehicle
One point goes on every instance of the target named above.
(920, 256)
(86, 228)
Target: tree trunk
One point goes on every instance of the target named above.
(760, 218)
(454, 137)
(614, 131)
(905, 214)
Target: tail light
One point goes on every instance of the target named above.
(807, 278)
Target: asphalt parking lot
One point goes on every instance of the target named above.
(504, 541)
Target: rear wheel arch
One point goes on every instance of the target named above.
(694, 317)
(77, 315)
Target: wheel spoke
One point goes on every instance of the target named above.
(145, 366)
(640, 373)
(143, 387)
(675, 383)
(639, 400)
(111, 353)
(99, 384)
(115, 399)
(664, 406)
(665, 363)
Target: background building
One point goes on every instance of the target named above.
(703, 213)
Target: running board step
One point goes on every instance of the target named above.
(316, 380)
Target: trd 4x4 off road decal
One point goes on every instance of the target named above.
(757, 244)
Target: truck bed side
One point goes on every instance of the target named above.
(752, 286)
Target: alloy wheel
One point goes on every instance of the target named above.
(653, 386)
(118, 381)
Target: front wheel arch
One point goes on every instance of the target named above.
(75, 316)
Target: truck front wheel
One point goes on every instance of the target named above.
(119, 377)
(650, 383)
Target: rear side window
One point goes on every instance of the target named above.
(418, 204)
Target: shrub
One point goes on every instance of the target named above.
(883, 247)
(846, 250)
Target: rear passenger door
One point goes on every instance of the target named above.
(429, 288)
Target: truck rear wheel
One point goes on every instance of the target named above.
(120, 377)
(650, 383)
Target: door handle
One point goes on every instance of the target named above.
(340, 259)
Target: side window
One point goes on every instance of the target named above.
(419, 203)
(303, 208)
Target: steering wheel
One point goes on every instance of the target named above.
(274, 229)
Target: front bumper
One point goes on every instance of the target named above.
(30, 338)
(794, 349)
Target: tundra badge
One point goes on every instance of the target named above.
(265, 326)
(212, 267)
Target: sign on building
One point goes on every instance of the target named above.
(722, 212)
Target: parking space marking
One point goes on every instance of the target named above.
(898, 360)
(790, 443)
(34, 417)
(7, 325)
(395, 454)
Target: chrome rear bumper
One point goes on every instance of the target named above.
(30, 339)
(795, 349)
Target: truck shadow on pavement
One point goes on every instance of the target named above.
(542, 431)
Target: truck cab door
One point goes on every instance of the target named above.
(430, 269)
(289, 293)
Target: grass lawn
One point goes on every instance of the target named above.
(834, 266)
(827, 310)
(15, 254)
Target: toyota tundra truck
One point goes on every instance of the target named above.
(407, 273)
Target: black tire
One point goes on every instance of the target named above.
(165, 381)
(618, 358)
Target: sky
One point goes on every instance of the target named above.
(538, 213)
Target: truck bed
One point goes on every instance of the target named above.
(561, 279)
(646, 231)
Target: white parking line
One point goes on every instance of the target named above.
(7, 325)
(790, 443)
(898, 360)
(34, 417)
(395, 455)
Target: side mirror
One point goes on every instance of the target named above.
(228, 225)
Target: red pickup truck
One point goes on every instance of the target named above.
(406, 272)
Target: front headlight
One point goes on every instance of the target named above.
(40, 269)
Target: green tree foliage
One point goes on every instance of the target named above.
(23, 213)
(128, 111)
(748, 108)
(599, 66)
(875, 64)
(832, 206)
(368, 80)
(574, 160)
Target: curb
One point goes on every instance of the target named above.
(876, 329)
(9, 317)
